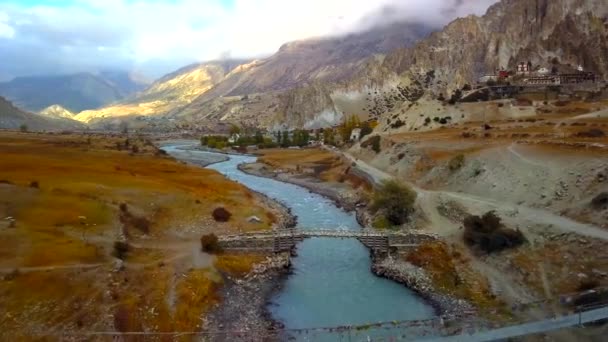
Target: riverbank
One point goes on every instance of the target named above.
(242, 314)
(399, 271)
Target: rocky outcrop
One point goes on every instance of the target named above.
(574, 32)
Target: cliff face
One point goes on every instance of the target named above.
(573, 31)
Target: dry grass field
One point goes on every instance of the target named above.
(64, 202)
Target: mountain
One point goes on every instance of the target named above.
(381, 73)
(75, 92)
(573, 32)
(168, 93)
(56, 111)
(566, 32)
(13, 118)
(208, 91)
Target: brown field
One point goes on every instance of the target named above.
(60, 214)
(316, 162)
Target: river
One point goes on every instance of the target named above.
(331, 284)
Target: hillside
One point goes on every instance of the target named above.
(13, 118)
(383, 73)
(74, 92)
(566, 32)
(168, 93)
(56, 111)
(199, 92)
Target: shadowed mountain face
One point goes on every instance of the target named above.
(74, 92)
(13, 118)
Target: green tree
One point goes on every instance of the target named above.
(366, 129)
(23, 128)
(259, 138)
(285, 142)
(395, 201)
(234, 129)
(329, 136)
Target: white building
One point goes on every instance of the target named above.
(355, 134)
(234, 138)
(543, 71)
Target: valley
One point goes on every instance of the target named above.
(394, 177)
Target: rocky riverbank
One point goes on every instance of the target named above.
(416, 279)
(342, 197)
(242, 314)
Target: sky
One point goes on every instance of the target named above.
(154, 37)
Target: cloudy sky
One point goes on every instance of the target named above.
(154, 37)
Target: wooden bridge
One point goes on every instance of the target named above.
(285, 240)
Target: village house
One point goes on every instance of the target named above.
(355, 134)
(234, 138)
(524, 68)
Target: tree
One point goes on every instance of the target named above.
(285, 142)
(347, 127)
(259, 138)
(234, 129)
(23, 128)
(395, 201)
(329, 136)
(366, 129)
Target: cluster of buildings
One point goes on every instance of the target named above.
(525, 74)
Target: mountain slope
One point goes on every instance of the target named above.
(574, 32)
(13, 118)
(56, 111)
(327, 60)
(74, 92)
(168, 93)
(569, 32)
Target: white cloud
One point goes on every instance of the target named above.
(6, 31)
(166, 32)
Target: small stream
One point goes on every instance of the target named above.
(331, 284)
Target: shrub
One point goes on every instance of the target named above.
(373, 142)
(381, 222)
(592, 133)
(135, 149)
(456, 162)
(23, 128)
(488, 234)
(395, 201)
(600, 201)
(221, 215)
(443, 121)
(121, 249)
(35, 185)
(427, 121)
(210, 244)
(141, 223)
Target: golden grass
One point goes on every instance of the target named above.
(72, 218)
(237, 265)
(452, 275)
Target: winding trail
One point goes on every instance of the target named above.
(428, 203)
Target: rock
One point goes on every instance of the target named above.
(254, 219)
(582, 276)
(599, 273)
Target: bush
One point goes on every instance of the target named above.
(121, 249)
(23, 128)
(381, 222)
(395, 201)
(35, 185)
(600, 201)
(221, 215)
(210, 244)
(488, 234)
(592, 133)
(456, 162)
(141, 223)
(373, 142)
